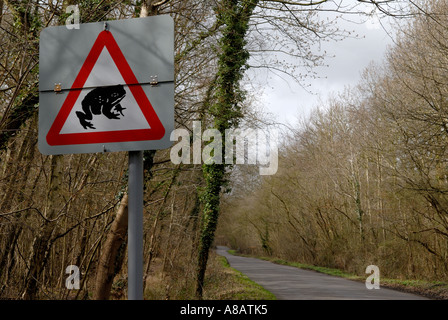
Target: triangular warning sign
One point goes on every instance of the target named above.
(105, 101)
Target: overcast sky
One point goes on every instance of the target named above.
(288, 101)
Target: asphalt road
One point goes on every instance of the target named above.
(289, 283)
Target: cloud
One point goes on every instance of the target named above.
(373, 23)
(352, 56)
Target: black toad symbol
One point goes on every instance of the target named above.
(104, 100)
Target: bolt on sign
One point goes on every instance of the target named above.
(107, 86)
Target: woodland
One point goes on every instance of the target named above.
(362, 181)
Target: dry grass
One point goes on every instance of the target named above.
(226, 283)
(221, 283)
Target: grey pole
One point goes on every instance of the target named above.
(135, 226)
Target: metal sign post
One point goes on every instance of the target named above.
(135, 226)
(109, 87)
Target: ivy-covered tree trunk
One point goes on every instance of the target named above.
(234, 15)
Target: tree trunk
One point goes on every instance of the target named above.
(112, 258)
(42, 243)
(226, 111)
(20, 163)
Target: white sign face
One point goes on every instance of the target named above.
(107, 99)
(129, 118)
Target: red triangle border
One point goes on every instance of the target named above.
(157, 130)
